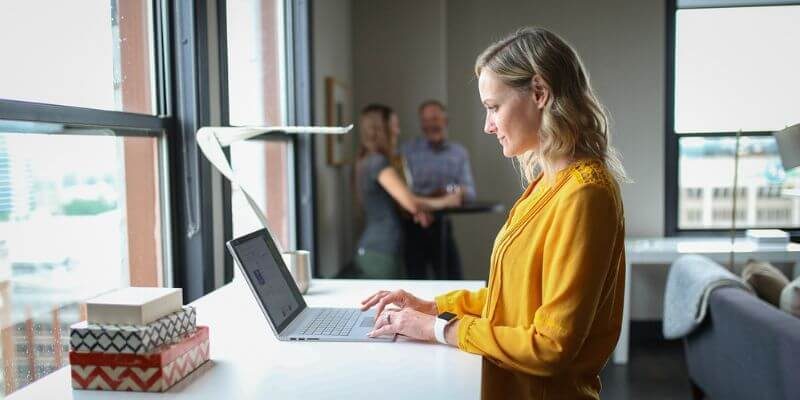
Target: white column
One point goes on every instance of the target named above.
(621, 351)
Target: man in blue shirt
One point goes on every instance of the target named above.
(435, 165)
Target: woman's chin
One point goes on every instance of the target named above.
(507, 152)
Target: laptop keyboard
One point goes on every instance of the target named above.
(332, 322)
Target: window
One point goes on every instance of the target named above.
(726, 79)
(81, 184)
(98, 48)
(262, 166)
(706, 184)
(99, 104)
(79, 215)
(258, 96)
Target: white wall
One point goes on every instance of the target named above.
(399, 56)
(332, 40)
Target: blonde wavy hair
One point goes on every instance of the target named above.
(573, 120)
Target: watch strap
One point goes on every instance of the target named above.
(439, 326)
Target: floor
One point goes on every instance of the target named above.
(656, 369)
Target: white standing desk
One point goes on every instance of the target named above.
(248, 362)
(666, 250)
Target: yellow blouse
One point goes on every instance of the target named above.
(551, 314)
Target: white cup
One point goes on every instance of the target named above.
(299, 264)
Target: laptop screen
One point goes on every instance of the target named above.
(269, 277)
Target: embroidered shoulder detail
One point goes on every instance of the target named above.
(591, 171)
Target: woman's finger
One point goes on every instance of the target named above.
(377, 300)
(372, 300)
(388, 329)
(391, 298)
(382, 320)
(372, 296)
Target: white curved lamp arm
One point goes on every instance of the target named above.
(229, 135)
(211, 140)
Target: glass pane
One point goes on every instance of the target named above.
(257, 87)
(706, 184)
(255, 62)
(736, 68)
(263, 168)
(79, 215)
(89, 53)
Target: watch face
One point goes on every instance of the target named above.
(447, 316)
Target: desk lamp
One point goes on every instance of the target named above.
(211, 139)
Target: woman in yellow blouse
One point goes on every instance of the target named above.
(550, 317)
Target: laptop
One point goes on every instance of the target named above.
(280, 299)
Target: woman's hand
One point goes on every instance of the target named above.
(453, 198)
(423, 218)
(400, 298)
(407, 322)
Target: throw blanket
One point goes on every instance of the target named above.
(690, 282)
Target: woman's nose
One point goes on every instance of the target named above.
(489, 126)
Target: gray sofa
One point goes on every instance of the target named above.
(744, 349)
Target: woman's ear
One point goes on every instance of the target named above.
(540, 91)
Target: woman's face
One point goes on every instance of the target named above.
(375, 135)
(511, 115)
(370, 125)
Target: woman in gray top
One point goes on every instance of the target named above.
(380, 190)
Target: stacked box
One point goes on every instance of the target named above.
(156, 371)
(136, 339)
(133, 305)
(133, 339)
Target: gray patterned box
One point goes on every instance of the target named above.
(132, 339)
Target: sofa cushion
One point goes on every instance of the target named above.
(790, 298)
(766, 280)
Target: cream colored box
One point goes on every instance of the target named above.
(133, 305)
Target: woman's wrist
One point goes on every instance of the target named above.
(434, 309)
(451, 333)
(429, 204)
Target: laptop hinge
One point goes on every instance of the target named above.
(293, 325)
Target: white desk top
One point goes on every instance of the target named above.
(248, 362)
(717, 248)
(704, 244)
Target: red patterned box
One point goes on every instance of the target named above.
(154, 372)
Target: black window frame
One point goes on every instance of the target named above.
(193, 247)
(299, 13)
(672, 138)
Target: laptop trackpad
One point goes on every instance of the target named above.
(367, 322)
